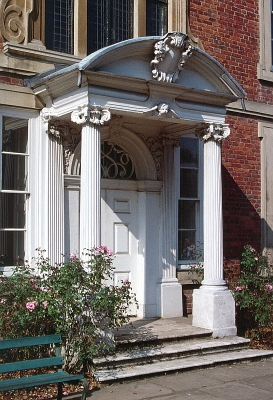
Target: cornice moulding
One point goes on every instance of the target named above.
(17, 96)
(251, 108)
(39, 53)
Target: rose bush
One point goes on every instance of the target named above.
(253, 292)
(76, 299)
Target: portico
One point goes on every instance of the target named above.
(139, 97)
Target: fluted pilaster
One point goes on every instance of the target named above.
(169, 289)
(169, 214)
(55, 190)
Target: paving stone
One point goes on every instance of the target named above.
(131, 391)
(264, 383)
(235, 391)
(189, 380)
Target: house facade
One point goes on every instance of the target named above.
(145, 126)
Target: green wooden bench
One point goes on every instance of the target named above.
(38, 380)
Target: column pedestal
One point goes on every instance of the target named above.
(214, 309)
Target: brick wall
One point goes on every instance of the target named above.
(241, 166)
(229, 31)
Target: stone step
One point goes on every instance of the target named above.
(133, 336)
(168, 351)
(182, 364)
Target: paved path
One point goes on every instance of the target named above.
(247, 381)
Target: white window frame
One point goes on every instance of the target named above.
(27, 115)
(265, 68)
(186, 264)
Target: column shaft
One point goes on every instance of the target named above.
(213, 222)
(90, 202)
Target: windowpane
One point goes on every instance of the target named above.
(12, 210)
(187, 214)
(15, 138)
(12, 247)
(116, 163)
(189, 217)
(186, 245)
(59, 34)
(109, 22)
(14, 172)
(189, 152)
(189, 183)
(156, 18)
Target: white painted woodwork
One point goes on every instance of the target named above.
(213, 220)
(120, 233)
(213, 303)
(90, 216)
(170, 290)
(55, 195)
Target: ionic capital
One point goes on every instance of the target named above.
(94, 114)
(213, 131)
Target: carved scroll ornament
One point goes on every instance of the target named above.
(14, 20)
(94, 114)
(171, 55)
(214, 131)
(162, 110)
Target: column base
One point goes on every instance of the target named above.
(214, 309)
(170, 299)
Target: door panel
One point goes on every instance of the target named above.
(120, 233)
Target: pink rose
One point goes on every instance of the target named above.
(238, 288)
(103, 250)
(45, 304)
(73, 256)
(31, 305)
(269, 287)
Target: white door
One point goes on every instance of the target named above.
(120, 231)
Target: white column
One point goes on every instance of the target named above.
(90, 201)
(54, 192)
(170, 290)
(213, 303)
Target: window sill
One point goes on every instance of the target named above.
(264, 74)
(7, 271)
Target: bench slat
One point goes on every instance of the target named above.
(31, 364)
(29, 341)
(38, 380)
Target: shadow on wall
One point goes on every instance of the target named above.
(241, 221)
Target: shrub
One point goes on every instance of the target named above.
(74, 299)
(253, 291)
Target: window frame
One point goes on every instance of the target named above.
(186, 264)
(27, 116)
(157, 3)
(265, 65)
